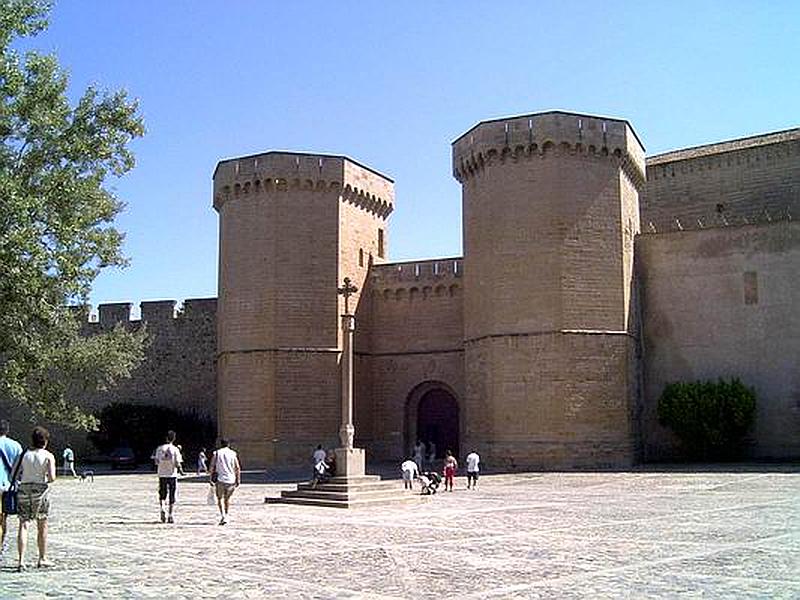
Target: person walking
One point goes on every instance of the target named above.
(202, 462)
(319, 473)
(69, 461)
(36, 470)
(318, 466)
(9, 452)
(419, 451)
(180, 466)
(410, 473)
(473, 467)
(319, 454)
(432, 455)
(168, 461)
(226, 474)
(450, 468)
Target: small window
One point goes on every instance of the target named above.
(360, 257)
(380, 243)
(750, 287)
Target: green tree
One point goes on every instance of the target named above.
(710, 418)
(56, 233)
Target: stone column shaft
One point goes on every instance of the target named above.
(347, 431)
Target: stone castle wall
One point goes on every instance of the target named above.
(179, 369)
(555, 332)
(416, 339)
(723, 303)
(750, 180)
(718, 263)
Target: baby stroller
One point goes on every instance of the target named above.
(430, 481)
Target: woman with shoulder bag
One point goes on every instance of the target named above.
(37, 471)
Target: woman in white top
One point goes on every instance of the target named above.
(37, 469)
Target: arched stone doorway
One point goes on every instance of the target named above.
(433, 416)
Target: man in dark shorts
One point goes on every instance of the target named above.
(168, 460)
(473, 468)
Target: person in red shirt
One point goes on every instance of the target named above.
(450, 468)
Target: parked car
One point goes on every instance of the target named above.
(123, 457)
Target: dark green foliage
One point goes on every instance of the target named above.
(710, 418)
(144, 426)
(56, 232)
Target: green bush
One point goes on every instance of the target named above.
(143, 427)
(710, 418)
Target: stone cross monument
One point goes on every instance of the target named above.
(349, 460)
(351, 486)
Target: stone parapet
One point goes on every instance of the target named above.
(537, 135)
(115, 312)
(158, 310)
(281, 172)
(738, 182)
(430, 270)
(152, 311)
(195, 306)
(718, 151)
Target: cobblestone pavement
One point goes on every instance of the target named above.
(550, 535)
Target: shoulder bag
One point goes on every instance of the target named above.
(11, 495)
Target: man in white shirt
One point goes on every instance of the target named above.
(410, 473)
(168, 460)
(226, 473)
(473, 462)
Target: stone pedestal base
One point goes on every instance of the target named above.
(350, 462)
(351, 488)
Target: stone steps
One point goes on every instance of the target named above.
(373, 486)
(353, 492)
(346, 494)
(348, 503)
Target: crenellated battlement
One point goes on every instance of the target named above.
(152, 312)
(422, 279)
(433, 269)
(286, 172)
(113, 313)
(550, 133)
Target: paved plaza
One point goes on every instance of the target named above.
(711, 534)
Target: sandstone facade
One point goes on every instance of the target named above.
(591, 277)
(306, 222)
(179, 369)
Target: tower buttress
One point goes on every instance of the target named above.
(292, 226)
(550, 205)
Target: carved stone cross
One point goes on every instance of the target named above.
(347, 290)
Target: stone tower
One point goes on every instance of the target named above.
(292, 226)
(551, 207)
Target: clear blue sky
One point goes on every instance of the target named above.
(391, 84)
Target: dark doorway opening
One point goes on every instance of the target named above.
(437, 421)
